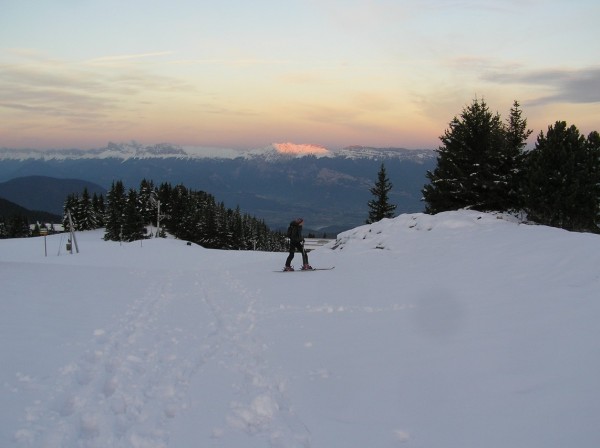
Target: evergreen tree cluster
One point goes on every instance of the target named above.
(87, 213)
(563, 179)
(482, 164)
(18, 222)
(196, 216)
(189, 215)
(14, 226)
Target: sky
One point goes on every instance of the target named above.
(240, 74)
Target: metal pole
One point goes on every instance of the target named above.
(158, 220)
(73, 239)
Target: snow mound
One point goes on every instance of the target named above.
(391, 233)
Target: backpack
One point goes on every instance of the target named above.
(293, 231)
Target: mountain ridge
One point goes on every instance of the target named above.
(45, 193)
(329, 188)
(135, 150)
(10, 209)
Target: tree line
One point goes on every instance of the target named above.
(483, 165)
(190, 215)
(15, 221)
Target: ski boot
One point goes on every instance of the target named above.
(288, 268)
(307, 267)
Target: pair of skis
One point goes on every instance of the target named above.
(308, 270)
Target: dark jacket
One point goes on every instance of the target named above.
(295, 232)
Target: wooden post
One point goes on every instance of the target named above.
(44, 232)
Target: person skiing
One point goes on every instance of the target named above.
(294, 233)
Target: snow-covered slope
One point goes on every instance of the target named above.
(461, 329)
(366, 152)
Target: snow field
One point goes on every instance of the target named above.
(461, 329)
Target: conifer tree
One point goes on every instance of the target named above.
(71, 205)
(593, 148)
(98, 208)
(115, 211)
(147, 210)
(563, 179)
(513, 166)
(133, 223)
(17, 227)
(479, 161)
(86, 216)
(379, 206)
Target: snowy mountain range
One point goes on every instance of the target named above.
(328, 187)
(135, 150)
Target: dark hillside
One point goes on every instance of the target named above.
(9, 209)
(45, 193)
(328, 192)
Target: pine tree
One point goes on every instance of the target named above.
(133, 223)
(98, 208)
(237, 230)
(563, 179)
(593, 148)
(478, 161)
(513, 167)
(115, 212)
(147, 210)
(87, 219)
(71, 205)
(17, 227)
(379, 207)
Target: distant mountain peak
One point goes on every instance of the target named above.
(301, 149)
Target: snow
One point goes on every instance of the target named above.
(124, 151)
(301, 149)
(462, 329)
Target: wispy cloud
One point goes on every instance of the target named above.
(243, 62)
(124, 58)
(568, 86)
(80, 90)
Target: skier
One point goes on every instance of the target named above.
(294, 233)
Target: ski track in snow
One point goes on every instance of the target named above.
(132, 379)
(263, 408)
(112, 395)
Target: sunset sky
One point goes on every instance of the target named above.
(244, 74)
